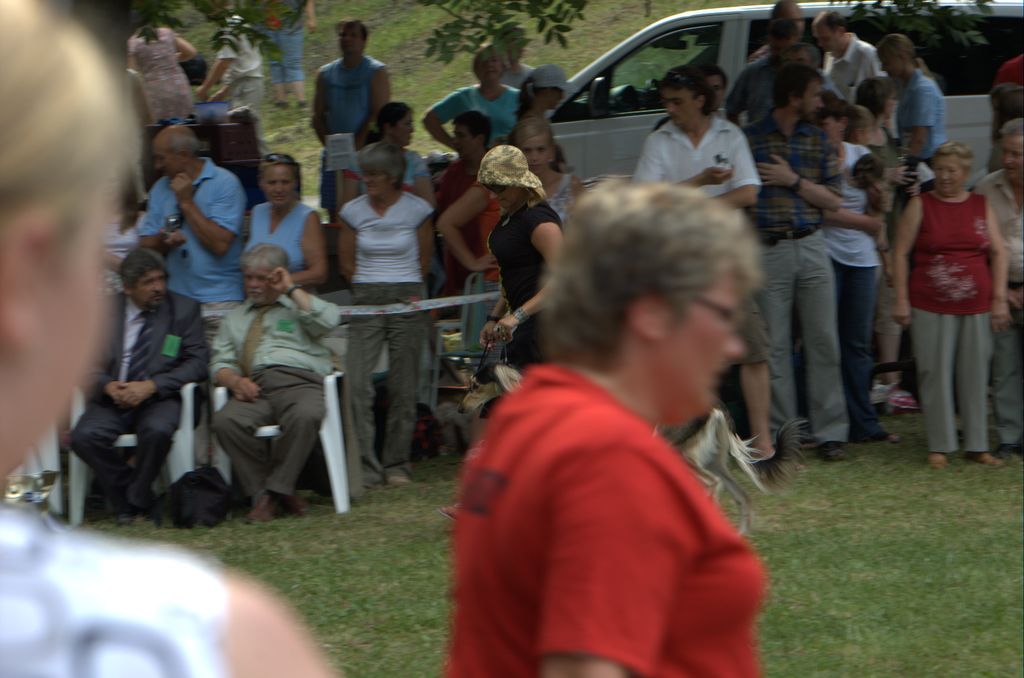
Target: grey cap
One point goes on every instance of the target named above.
(549, 75)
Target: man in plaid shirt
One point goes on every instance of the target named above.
(800, 178)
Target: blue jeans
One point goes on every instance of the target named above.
(855, 305)
(289, 68)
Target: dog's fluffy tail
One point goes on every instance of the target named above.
(777, 472)
(769, 475)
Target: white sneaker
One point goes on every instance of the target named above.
(880, 393)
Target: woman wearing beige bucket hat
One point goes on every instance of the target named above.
(525, 239)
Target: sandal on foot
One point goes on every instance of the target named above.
(984, 458)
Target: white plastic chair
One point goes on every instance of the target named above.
(332, 439)
(180, 459)
(46, 457)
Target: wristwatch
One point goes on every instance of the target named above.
(493, 318)
(795, 186)
(291, 289)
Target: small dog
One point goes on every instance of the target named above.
(706, 444)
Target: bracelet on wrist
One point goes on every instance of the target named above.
(520, 315)
(493, 318)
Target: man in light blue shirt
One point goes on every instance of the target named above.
(194, 218)
(922, 106)
(921, 113)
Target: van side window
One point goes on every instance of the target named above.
(961, 71)
(632, 82)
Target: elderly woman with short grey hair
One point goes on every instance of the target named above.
(954, 296)
(384, 248)
(579, 523)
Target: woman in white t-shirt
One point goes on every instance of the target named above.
(121, 236)
(73, 603)
(851, 234)
(384, 248)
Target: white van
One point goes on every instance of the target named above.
(613, 103)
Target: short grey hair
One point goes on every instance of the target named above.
(264, 257)
(184, 141)
(138, 263)
(626, 241)
(383, 158)
(1012, 128)
(812, 52)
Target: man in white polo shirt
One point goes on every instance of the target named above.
(848, 59)
(698, 148)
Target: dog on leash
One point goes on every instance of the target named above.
(706, 444)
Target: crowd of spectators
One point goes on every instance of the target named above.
(832, 167)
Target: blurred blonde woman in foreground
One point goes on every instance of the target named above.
(76, 603)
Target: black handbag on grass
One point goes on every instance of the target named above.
(199, 497)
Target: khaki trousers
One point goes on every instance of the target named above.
(948, 349)
(403, 336)
(290, 397)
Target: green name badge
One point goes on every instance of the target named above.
(285, 325)
(172, 344)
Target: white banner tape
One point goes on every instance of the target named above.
(395, 309)
(421, 305)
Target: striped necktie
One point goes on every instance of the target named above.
(137, 369)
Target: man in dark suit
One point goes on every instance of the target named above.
(155, 347)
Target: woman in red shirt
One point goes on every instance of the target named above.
(955, 298)
(585, 546)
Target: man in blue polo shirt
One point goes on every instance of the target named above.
(800, 179)
(194, 218)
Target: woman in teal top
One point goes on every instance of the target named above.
(498, 102)
(284, 221)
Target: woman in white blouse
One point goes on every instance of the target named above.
(384, 248)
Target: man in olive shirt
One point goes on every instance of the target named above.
(268, 353)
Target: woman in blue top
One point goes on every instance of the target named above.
(284, 221)
(498, 102)
(394, 126)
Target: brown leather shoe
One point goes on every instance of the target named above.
(937, 461)
(293, 504)
(984, 458)
(262, 511)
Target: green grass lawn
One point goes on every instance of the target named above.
(878, 566)
(398, 36)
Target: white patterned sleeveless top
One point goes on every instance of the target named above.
(75, 604)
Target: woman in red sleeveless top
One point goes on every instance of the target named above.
(954, 298)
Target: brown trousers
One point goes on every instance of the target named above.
(291, 398)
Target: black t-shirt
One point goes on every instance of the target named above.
(519, 262)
